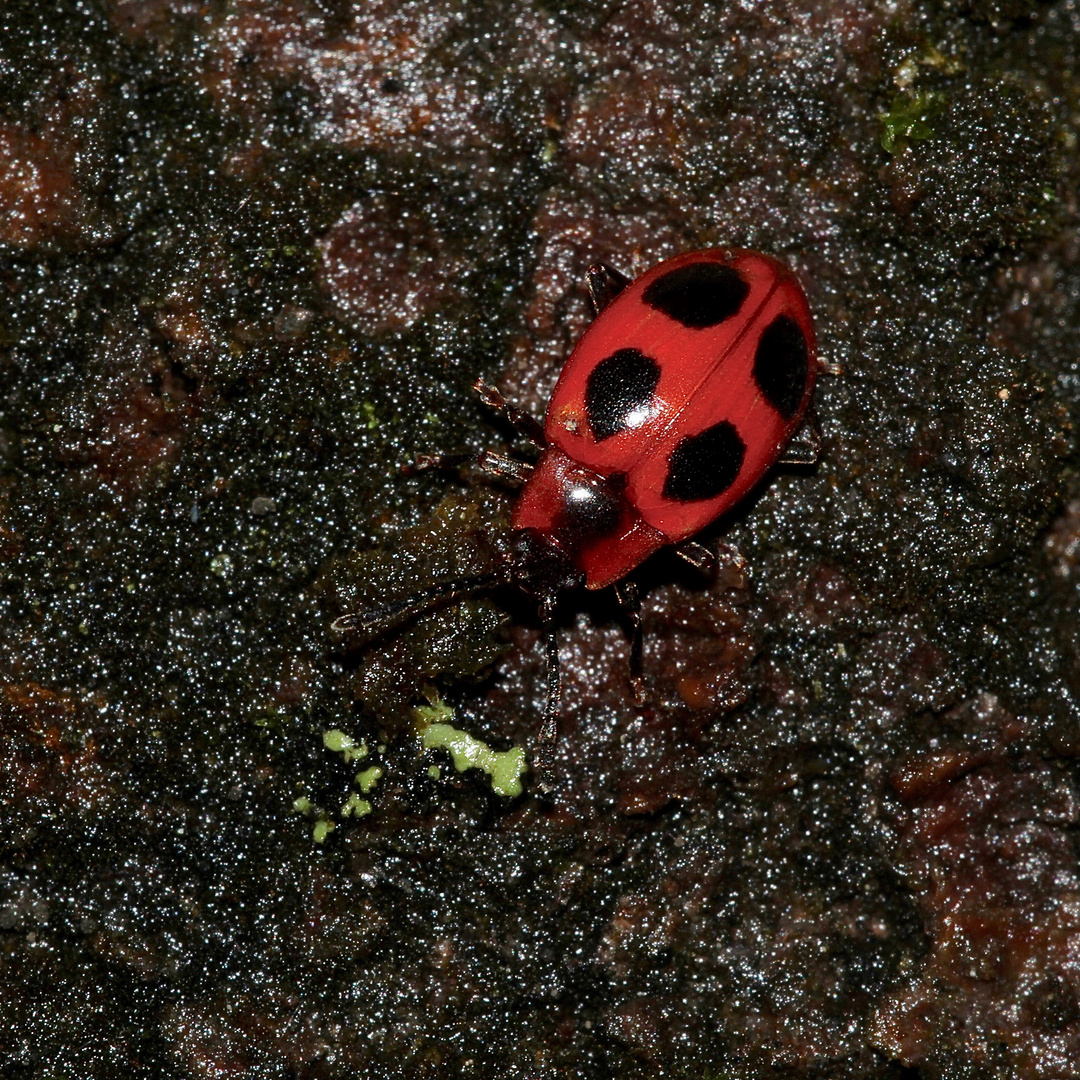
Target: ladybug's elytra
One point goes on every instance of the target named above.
(675, 403)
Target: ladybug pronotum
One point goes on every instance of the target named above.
(678, 399)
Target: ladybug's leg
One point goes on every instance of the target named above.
(496, 465)
(525, 424)
(707, 560)
(604, 284)
(701, 558)
(548, 734)
(506, 468)
(549, 728)
(423, 462)
(805, 448)
(626, 593)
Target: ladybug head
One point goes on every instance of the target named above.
(541, 568)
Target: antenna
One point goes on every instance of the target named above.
(384, 617)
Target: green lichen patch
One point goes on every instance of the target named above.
(368, 778)
(355, 806)
(322, 829)
(505, 767)
(323, 824)
(341, 743)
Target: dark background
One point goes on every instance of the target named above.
(252, 256)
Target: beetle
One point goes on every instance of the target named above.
(677, 401)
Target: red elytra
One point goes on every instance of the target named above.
(675, 403)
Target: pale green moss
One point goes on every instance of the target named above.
(367, 779)
(909, 119)
(434, 772)
(505, 767)
(322, 829)
(345, 745)
(355, 807)
(302, 805)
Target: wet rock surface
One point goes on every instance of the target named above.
(253, 255)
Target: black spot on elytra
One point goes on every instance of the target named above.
(780, 365)
(698, 295)
(705, 465)
(618, 392)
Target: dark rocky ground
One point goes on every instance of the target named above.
(252, 256)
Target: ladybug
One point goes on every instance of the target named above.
(677, 401)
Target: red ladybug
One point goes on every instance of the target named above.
(676, 402)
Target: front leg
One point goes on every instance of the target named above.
(493, 465)
(525, 424)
